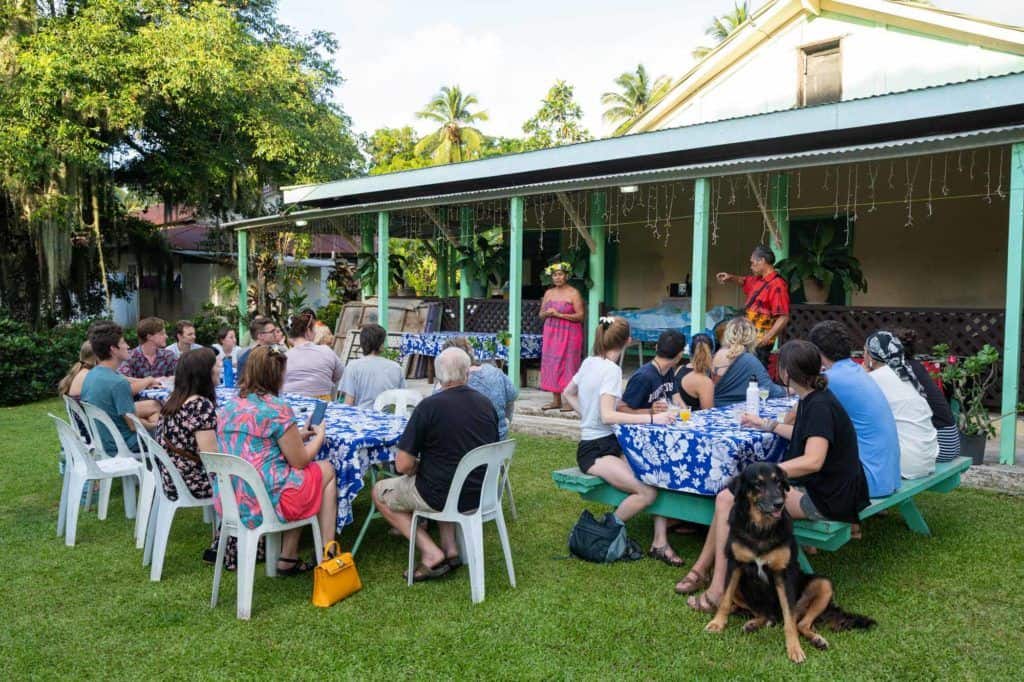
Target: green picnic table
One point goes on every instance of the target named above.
(828, 535)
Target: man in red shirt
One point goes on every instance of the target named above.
(767, 299)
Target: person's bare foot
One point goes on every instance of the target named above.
(704, 602)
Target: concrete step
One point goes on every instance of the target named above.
(552, 427)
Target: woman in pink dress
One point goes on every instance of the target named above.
(562, 312)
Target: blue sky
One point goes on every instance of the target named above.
(394, 54)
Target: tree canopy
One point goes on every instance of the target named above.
(200, 103)
(636, 94)
(558, 121)
(457, 139)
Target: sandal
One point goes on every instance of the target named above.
(453, 562)
(692, 582)
(422, 572)
(298, 567)
(662, 555)
(684, 528)
(703, 604)
(552, 406)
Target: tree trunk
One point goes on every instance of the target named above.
(99, 244)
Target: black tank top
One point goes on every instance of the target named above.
(694, 403)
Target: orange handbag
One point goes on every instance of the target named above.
(335, 577)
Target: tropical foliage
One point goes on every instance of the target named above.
(722, 27)
(636, 94)
(558, 122)
(456, 140)
(203, 103)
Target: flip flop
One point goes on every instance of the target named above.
(298, 567)
(703, 604)
(552, 406)
(691, 582)
(453, 562)
(662, 555)
(423, 573)
(567, 409)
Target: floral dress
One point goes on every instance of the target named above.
(250, 427)
(178, 436)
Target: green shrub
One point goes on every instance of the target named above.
(209, 321)
(329, 315)
(32, 363)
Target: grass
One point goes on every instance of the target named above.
(948, 606)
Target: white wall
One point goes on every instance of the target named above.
(876, 59)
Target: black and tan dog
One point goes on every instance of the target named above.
(763, 573)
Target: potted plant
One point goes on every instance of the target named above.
(396, 272)
(484, 262)
(821, 263)
(969, 379)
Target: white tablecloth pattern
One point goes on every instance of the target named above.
(701, 455)
(485, 346)
(355, 439)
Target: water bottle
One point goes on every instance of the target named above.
(753, 396)
(228, 375)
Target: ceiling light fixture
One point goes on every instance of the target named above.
(629, 189)
(301, 223)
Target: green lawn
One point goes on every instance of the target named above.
(948, 607)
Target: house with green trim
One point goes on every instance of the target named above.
(898, 130)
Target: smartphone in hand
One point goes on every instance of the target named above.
(318, 413)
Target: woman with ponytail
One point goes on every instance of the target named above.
(822, 464)
(735, 363)
(693, 385)
(593, 392)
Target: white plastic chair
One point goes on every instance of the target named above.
(224, 468)
(494, 456)
(158, 529)
(401, 398)
(100, 421)
(79, 422)
(80, 470)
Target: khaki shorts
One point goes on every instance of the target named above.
(399, 494)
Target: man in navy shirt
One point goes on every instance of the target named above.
(650, 390)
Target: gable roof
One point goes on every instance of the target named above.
(768, 20)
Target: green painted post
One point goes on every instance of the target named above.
(778, 201)
(366, 229)
(701, 215)
(1014, 301)
(465, 237)
(442, 268)
(243, 287)
(515, 286)
(597, 263)
(383, 276)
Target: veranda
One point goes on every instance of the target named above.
(718, 188)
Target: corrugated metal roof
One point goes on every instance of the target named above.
(984, 103)
(777, 162)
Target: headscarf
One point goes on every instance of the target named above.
(885, 347)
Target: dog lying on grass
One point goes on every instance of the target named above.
(763, 575)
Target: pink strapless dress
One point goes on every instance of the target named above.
(561, 347)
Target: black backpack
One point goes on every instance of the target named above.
(601, 542)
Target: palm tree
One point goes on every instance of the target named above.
(723, 26)
(456, 139)
(635, 97)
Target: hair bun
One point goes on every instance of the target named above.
(821, 382)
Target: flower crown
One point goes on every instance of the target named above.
(563, 266)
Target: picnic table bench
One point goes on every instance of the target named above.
(828, 535)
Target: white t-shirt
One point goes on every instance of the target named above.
(596, 377)
(919, 442)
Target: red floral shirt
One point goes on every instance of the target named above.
(138, 367)
(766, 299)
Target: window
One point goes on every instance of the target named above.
(821, 74)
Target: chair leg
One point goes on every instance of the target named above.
(147, 550)
(147, 491)
(208, 515)
(370, 516)
(131, 486)
(506, 487)
(412, 551)
(318, 541)
(271, 553)
(506, 548)
(161, 536)
(62, 511)
(474, 537)
(75, 486)
(246, 572)
(218, 569)
(104, 502)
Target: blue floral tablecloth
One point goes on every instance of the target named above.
(701, 455)
(485, 346)
(355, 439)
